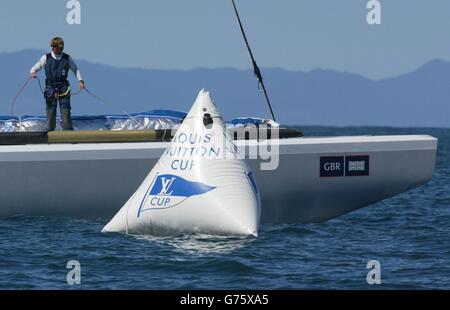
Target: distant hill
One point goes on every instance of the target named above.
(321, 97)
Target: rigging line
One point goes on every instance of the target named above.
(13, 102)
(256, 70)
(43, 91)
(108, 103)
(94, 96)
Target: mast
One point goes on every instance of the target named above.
(256, 70)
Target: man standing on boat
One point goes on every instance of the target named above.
(57, 65)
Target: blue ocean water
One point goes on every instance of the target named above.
(408, 234)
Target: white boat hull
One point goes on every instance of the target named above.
(95, 180)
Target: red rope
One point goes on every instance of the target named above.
(13, 103)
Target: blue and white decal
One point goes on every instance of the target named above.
(340, 166)
(357, 165)
(168, 190)
(332, 166)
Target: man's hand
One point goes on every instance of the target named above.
(81, 85)
(33, 75)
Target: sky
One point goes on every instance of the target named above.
(298, 35)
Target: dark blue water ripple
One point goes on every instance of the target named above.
(409, 234)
